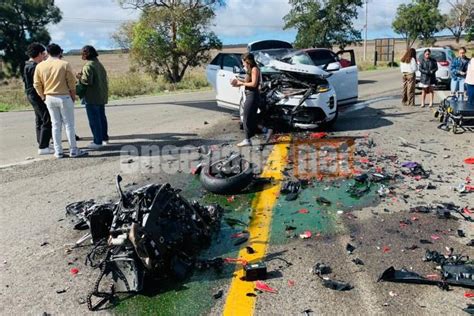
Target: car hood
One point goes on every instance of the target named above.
(270, 62)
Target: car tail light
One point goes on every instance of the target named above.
(444, 63)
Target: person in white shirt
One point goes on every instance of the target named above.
(408, 68)
(470, 83)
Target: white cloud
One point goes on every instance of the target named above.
(89, 19)
(246, 18)
(98, 19)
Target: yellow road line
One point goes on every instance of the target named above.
(237, 302)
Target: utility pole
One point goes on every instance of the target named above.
(366, 26)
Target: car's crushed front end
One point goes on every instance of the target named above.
(297, 96)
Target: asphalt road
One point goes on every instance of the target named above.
(34, 247)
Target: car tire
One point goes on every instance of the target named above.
(228, 185)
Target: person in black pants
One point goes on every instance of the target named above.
(252, 97)
(37, 54)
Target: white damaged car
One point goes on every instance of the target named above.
(297, 91)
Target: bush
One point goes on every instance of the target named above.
(136, 83)
(130, 84)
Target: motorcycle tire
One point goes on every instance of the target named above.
(228, 185)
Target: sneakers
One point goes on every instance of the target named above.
(77, 153)
(105, 142)
(94, 146)
(245, 142)
(58, 155)
(45, 151)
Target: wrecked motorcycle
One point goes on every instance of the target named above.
(150, 232)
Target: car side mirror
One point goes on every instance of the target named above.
(238, 70)
(333, 67)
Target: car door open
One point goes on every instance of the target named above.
(228, 96)
(350, 75)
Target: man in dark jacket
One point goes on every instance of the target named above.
(37, 54)
(428, 68)
(94, 78)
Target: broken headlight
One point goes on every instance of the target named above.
(322, 88)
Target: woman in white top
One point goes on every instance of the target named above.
(408, 68)
(470, 83)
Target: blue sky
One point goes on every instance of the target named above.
(240, 21)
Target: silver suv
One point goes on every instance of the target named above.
(444, 56)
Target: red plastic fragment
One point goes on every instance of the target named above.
(433, 277)
(385, 249)
(74, 271)
(364, 160)
(469, 160)
(239, 235)
(318, 135)
(236, 260)
(467, 211)
(435, 237)
(469, 294)
(262, 286)
(291, 283)
(303, 211)
(307, 234)
(231, 198)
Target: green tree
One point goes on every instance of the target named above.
(418, 20)
(460, 17)
(170, 36)
(23, 22)
(323, 23)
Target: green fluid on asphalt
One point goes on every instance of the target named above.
(320, 218)
(194, 296)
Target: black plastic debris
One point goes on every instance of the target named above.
(250, 250)
(307, 312)
(218, 295)
(469, 309)
(151, 232)
(337, 285)
(357, 261)
(425, 241)
(322, 201)
(404, 276)
(359, 190)
(421, 209)
(461, 233)
(291, 187)
(470, 243)
(363, 178)
(255, 271)
(321, 269)
(415, 170)
(350, 248)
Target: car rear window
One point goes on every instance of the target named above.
(438, 55)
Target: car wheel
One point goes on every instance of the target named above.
(226, 185)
